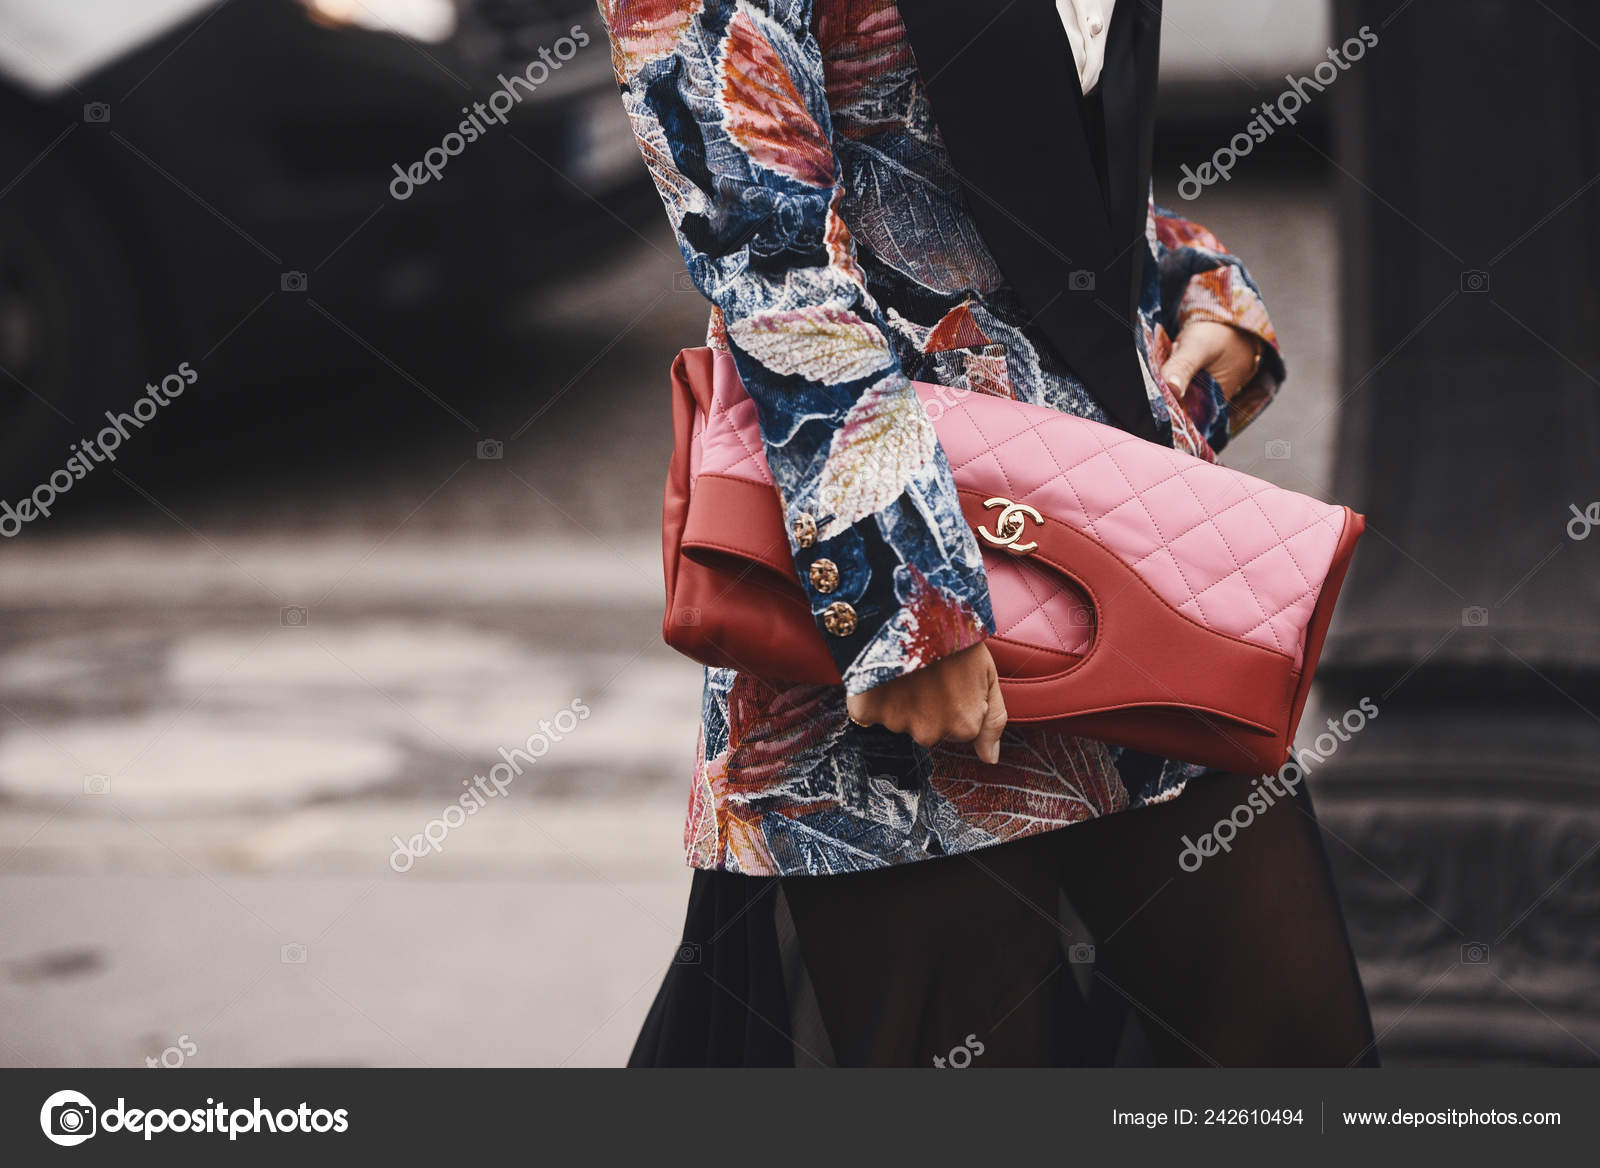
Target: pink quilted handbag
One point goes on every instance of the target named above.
(1142, 597)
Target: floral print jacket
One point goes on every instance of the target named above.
(814, 202)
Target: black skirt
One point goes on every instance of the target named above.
(1092, 945)
(950, 962)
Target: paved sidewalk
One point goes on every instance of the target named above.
(537, 937)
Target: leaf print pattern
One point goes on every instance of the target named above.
(1043, 779)
(841, 248)
(818, 211)
(678, 194)
(643, 31)
(827, 844)
(768, 730)
(824, 344)
(701, 836)
(906, 209)
(986, 372)
(928, 622)
(867, 63)
(764, 112)
(767, 738)
(956, 330)
(744, 843)
(886, 438)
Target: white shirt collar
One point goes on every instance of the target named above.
(1088, 24)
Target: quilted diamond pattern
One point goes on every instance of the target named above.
(1036, 606)
(729, 440)
(1232, 552)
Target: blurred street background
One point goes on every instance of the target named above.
(407, 510)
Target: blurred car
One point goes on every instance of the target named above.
(168, 168)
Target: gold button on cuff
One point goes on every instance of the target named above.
(805, 529)
(824, 576)
(839, 619)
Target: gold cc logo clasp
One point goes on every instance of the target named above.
(1011, 521)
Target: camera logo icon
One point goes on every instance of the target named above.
(1476, 617)
(1081, 954)
(1475, 953)
(688, 954)
(1474, 280)
(292, 616)
(292, 282)
(1081, 280)
(1278, 449)
(491, 450)
(67, 1118)
(683, 282)
(687, 616)
(97, 113)
(292, 954)
(97, 784)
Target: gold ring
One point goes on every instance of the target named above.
(853, 722)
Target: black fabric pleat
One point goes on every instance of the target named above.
(722, 1002)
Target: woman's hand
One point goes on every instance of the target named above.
(1230, 355)
(956, 698)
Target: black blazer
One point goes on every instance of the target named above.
(1023, 139)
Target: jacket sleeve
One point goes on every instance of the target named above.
(727, 102)
(1201, 280)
